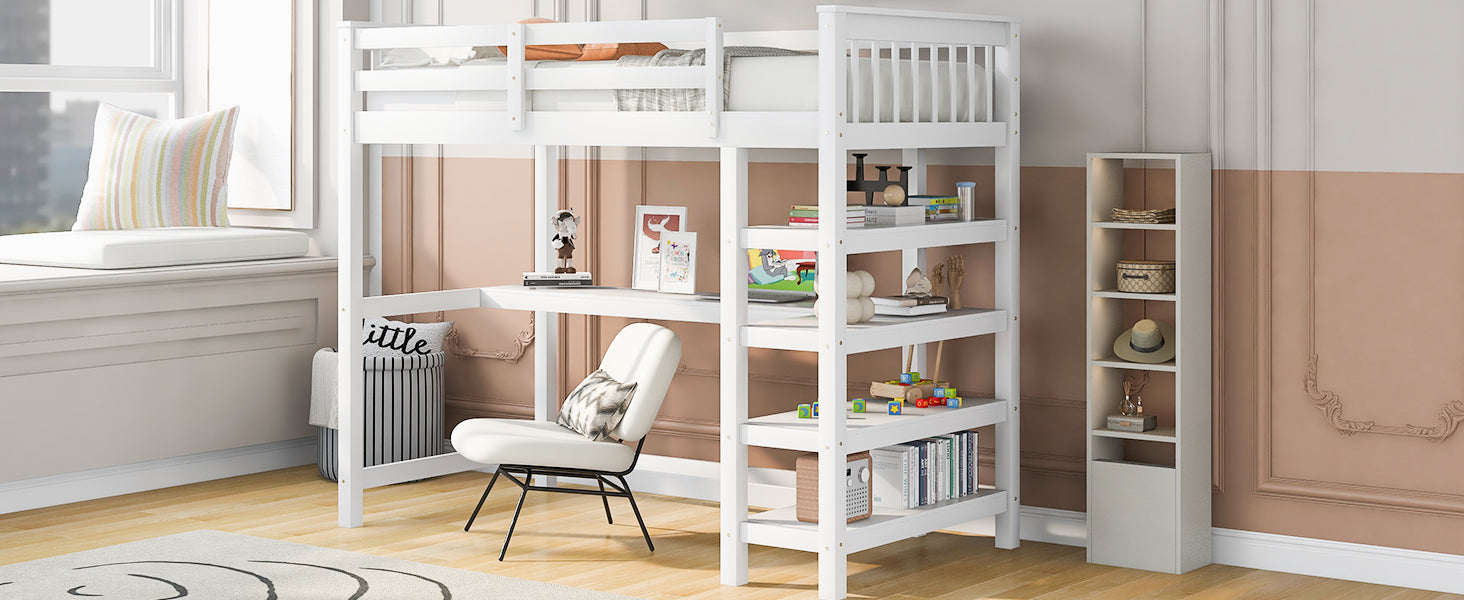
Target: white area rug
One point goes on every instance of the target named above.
(211, 565)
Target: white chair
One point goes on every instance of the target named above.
(642, 353)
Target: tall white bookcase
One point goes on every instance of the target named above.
(1146, 511)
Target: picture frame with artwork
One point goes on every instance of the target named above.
(650, 223)
(678, 262)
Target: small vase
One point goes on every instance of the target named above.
(1127, 407)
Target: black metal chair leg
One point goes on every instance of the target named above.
(511, 524)
(605, 499)
(480, 500)
(631, 497)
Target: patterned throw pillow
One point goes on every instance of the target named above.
(395, 338)
(150, 173)
(596, 407)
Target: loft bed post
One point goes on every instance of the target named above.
(833, 172)
(1006, 93)
(350, 281)
(733, 466)
(912, 258)
(546, 324)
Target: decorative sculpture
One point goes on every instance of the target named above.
(566, 225)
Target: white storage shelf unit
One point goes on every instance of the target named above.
(407, 106)
(1150, 515)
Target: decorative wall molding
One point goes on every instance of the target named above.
(1330, 404)
(521, 342)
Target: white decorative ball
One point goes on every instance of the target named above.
(855, 285)
(855, 310)
(867, 309)
(868, 282)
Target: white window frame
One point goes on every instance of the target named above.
(164, 76)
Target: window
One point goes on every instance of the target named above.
(58, 60)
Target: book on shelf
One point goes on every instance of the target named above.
(894, 215)
(908, 311)
(909, 300)
(932, 200)
(923, 472)
(581, 278)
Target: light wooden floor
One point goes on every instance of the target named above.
(564, 539)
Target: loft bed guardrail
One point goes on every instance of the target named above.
(911, 79)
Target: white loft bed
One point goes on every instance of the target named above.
(971, 53)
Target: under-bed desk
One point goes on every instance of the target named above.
(874, 79)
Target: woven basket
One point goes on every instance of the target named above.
(1146, 276)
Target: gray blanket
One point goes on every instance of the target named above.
(685, 99)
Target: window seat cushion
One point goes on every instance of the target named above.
(158, 247)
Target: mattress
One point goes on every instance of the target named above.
(160, 247)
(756, 83)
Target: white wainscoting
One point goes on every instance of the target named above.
(121, 381)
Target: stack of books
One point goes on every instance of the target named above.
(886, 216)
(924, 472)
(909, 306)
(579, 279)
(938, 209)
(1147, 215)
(806, 215)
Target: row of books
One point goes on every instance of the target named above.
(924, 472)
(806, 215)
(917, 209)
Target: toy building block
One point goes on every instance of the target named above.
(950, 392)
(805, 411)
(815, 410)
(953, 402)
(937, 401)
(940, 392)
(922, 403)
(858, 405)
(905, 378)
(896, 407)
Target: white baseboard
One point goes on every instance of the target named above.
(1271, 552)
(55, 490)
(1340, 560)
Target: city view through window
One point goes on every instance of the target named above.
(46, 136)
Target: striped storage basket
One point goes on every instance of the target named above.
(404, 415)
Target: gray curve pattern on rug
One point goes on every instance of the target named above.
(212, 565)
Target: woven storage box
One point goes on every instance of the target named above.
(404, 413)
(1146, 276)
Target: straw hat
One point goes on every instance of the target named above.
(1147, 342)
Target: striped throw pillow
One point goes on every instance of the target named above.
(150, 173)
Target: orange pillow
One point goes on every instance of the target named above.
(614, 51)
(548, 52)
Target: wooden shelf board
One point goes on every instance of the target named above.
(623, 302)
(1162, 434)
(1111, 293)
(877, 428)
(884, 331)
(859, 240)
(781, 528)
(1148, 226)
(1114, 362)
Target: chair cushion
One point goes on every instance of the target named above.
(595, 408)
(536, 443)
(160, 247)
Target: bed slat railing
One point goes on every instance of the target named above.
(518, 82)
(947, 83)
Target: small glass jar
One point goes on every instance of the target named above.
(966, 194)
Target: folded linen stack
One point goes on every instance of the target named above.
(1151, 215)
